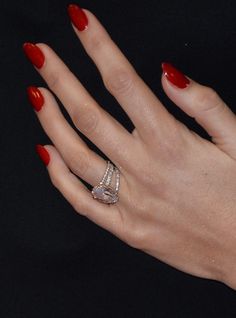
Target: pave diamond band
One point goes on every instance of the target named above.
(104, 192)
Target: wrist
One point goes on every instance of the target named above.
(229, 276)
(228, 267)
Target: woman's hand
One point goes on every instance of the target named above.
(177, 198)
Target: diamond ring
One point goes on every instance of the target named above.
(104, 192)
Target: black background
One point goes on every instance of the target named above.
(54, 262)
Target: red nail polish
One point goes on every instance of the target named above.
(35, 97)
(43, 154)
(175, 76)
(34, 54)
(77, 16)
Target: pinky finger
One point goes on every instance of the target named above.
(75, 191)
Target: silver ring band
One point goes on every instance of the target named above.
(104, 192)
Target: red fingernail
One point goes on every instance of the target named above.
(43, 154)
(77, 16)
(175, 76)
(34, 54)
(35, 97)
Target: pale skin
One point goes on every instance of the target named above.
(177, 197)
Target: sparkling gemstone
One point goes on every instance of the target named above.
(105, 194)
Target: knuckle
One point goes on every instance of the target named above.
(96, 41)
(79, 206)
(174, 158)
(55, 179)
(137, 239)
(86, 120)
(79, 163)
(208, 99)
(134, 235)
(119, 82)
(173, 147)
(53, 80)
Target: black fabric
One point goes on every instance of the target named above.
(53, 262)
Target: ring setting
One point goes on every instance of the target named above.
(104, 192)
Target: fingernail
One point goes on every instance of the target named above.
(175, 76)
(35, 97)
(34, 54)
(43, 154)
(77, 16)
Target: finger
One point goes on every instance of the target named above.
(203, 104)
(81, 160)
(96, 124)
(142, 106)
(76, 193)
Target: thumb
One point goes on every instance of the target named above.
(204, 105)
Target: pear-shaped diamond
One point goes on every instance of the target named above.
(105, 194)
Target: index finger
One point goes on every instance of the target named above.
(119, 77)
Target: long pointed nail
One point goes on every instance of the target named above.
(43, 154)
(35, 97)
(34, 54)
(77, 16)
(175, 76)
